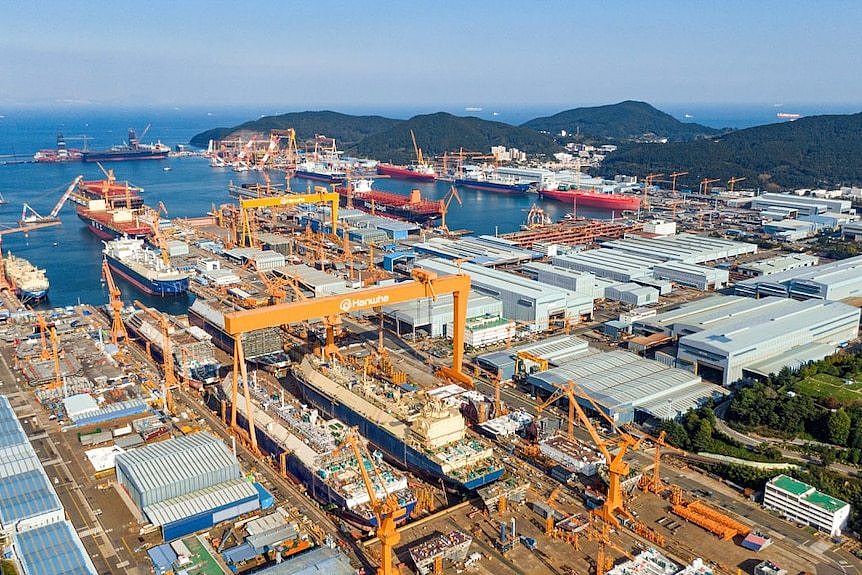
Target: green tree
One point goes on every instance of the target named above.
(838, 427)
(702, 438)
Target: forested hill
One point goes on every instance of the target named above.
(345, 128)
(440, 132)
(620, 122)
(817, 151)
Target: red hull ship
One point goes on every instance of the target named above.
(412, 208)
(591, 199)
(411, 172)
(111, 209)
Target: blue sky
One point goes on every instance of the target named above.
(480, 53)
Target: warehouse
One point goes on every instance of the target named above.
(834, 281)
(557, 350)
(627, 386)
(523, 299)
(53, 549)
(481, 250)
(686, 248)
(727, 337)
(632, 294)
(800, 502)
(581, 282)
(186, 484)
(851, 230)
(805, 205)
(607, 263)
(790, 230)
(434, 316)
(692, 275)
(777, 264)
(318, 283)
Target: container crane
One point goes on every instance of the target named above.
(170, 377)
(387, 512)
(444, 207)
(118, 328)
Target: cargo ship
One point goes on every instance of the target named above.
(144, 268)
(592, 199)
(264, 348)
(492, 181)
(133, 150)
(319, 172)
(192, 348)
(415, 431)
(29, 283)
(424, 172)
(60, 154)
(115, 194)
(111, 224)
(412, 208)
(312, 455)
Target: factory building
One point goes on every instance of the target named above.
(685, 248)
(610, 264)
(835, 281)
(803, 205)
(800, 502)
(692, 275)
(632, 294)
(628, 387)
(581, 282)
(31, 514)
(523, 299)
(186, 484)
(435, 316)
(777, 264)
(852, 231)
(556, 350)
(314, 281)
(729, 337)
(482, 250)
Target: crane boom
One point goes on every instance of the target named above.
(59, 205)
(118, 328)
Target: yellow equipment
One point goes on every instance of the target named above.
(387, 512)
(118, 328)
(55, 353)
(522, 356)
(444, 207)
(673, 177)
(43, 333)
(416, 149)
(320, 195)
(170, 377)
(647, 183)
(330, 308)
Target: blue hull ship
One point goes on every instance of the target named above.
(143, 268)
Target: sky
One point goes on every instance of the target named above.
(363, 54)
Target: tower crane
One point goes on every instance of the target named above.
(444, 207)
(654, 484)
(170, 377)
(418, 151)
(274, 287)
(118, 328)
(43, 333)
(704, 183)
(732, 182)
(55, 354)
(673, 177)
(388, 512)
(160, 237)
(647, 183)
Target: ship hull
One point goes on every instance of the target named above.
(31, 296)
(401, 453)
(593, 199)
(124, 156)
(105, 231)
(404, 173)
(394, 212)
(492, 186)
(162, 288)
(315, 486)
(205, 373)
(320, 177)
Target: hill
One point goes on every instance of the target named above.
(437, 133)
(625, 121)
(817, 151)
(345, 128)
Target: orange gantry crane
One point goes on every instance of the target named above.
(320, 195)
(170, 377)
(424, 284)
(387, 512)
(118, 328)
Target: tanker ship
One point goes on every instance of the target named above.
(423, 172)
(29, 282)
(412, 208)
(414, 430)
(592, 199)
(312, 455)
(133, 150)
(144, 268)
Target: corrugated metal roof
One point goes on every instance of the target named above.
(184, 506)
(17, 459)
(27, 495)
(319, 561)
(172, 461)
(54, 549)
(11, 432)
(111, 411)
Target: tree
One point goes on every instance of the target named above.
(838, 427)
(702, 438)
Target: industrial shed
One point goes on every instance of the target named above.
(318, 561)
(53, 549)
(581, 282)
(834, 281)
(557, 350)
(686, 248)
(628, 387)
(186, 483)
(482, 250)
(436, 315)
(607, 263)
(632, 294)
(692, 275)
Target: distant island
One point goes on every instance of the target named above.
(815, 151)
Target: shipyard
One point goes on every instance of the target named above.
(490, 335)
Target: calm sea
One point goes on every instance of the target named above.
(72, 256)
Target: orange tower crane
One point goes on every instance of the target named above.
(387, 512)
(673, 177)
(424, 284)
(704, 183)
(55, 354)
(118, 328)
(43, 334)
(647, 184)
(170, 376)
(732, 182)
